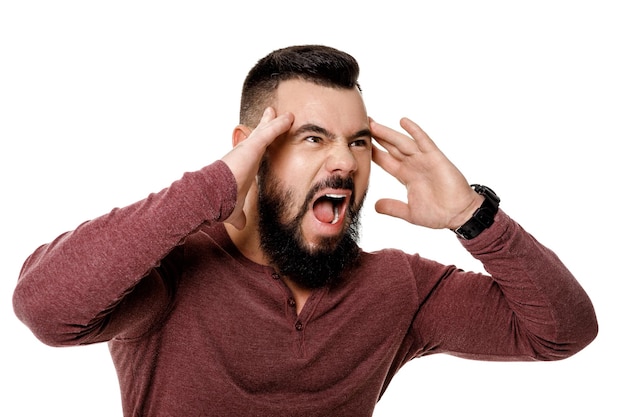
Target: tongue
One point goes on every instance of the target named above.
(324, 211)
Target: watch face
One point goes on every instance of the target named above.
(487, 192)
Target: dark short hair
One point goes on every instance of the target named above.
(319, 64)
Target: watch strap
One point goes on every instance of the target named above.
(483, 217)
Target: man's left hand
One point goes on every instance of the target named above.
(438, 195)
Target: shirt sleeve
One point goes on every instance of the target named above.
(528, 307)
(69, 290)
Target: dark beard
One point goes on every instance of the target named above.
(283, 242)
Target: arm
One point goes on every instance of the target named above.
(112, 276)
(67, 288)
(529, 307)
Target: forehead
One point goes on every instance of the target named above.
(337, 109)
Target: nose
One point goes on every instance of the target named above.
(340, 159)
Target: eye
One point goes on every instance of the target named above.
(360, 143)
(313, 139)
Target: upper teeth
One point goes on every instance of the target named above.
(335, 196)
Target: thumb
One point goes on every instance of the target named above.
(394, 208)
(237, 219)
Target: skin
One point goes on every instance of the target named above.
(311, 132)
(330, 136)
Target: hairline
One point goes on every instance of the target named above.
(270, 95)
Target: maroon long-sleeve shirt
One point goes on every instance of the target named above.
(197, 329)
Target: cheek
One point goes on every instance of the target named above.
(364, 170)
(299, 173)
(295, 182)
(291, 165)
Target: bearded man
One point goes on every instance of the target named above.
(240, 289)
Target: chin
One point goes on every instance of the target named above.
(319, 243)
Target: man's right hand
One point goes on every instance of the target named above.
(245, 157)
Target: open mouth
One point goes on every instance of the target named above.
(330, 207)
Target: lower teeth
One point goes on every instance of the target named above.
(336, 219)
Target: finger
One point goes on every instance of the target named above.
(268, 114)
(239, 222)
(386, 161)
(392, 207)
(390, 149)
(271, 126)
(424, 142)
(390, 139)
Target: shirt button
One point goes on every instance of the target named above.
(275, 275)
(291, 302)
(299, 325)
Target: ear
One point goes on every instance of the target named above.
(240, 133)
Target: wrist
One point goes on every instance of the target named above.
(483, 216)
(462, 218)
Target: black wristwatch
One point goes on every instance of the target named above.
(483, 217)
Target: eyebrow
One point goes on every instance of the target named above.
(310, 127)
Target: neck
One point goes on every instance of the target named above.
(248, 242)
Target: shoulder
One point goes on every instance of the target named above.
(395, 260)
(395, 267)
(384, 258)
(383, 269)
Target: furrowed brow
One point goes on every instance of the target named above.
(365, 133)
(311, 128)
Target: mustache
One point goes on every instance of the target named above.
(336, 182)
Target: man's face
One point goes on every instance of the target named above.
(314, 178)
(330, 138)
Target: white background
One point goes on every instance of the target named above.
(102, 103)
